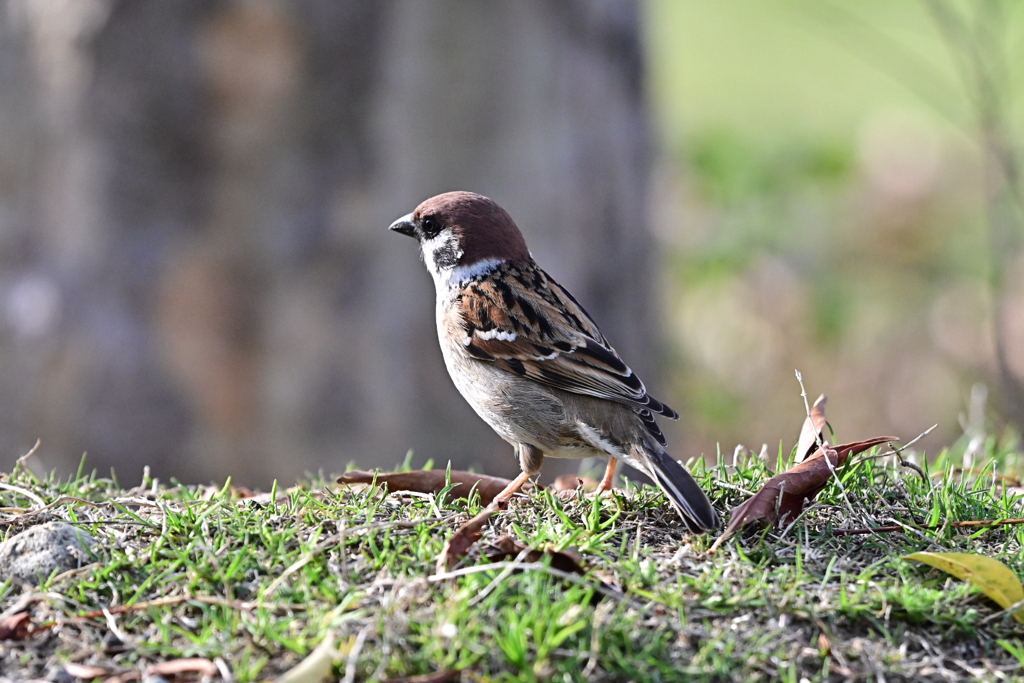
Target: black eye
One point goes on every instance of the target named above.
(430, 227)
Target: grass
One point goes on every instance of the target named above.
(255, 584)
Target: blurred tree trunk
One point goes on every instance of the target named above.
(195, 197)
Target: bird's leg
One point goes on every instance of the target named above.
(500, 501)
(530, 459)
(609, 475)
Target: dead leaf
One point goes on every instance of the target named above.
(86, 671)
(812, 431)
(436, 677)
(784, 495)
(431, 481)
(461, 541)
(204, 667)
(316, 667)
(16, 626)
(507, 547)
(993, 577)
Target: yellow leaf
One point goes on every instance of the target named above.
(316, 667)
(992, 576)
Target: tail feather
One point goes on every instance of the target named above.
(683, 492)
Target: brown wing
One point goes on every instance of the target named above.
(525, 322)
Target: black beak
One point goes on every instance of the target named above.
(404, 225)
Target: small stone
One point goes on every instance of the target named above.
(32, 555)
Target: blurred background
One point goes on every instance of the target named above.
(196, 273)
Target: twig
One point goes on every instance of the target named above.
(917, 532)
(600, 614)
(893, 449)
(21, 461)
(353, 656)
(839, 483)
(70, 499)
(105, 613)
(174, 600)
(112, 625)
(28, 494)
(524, 566)
(719, 483)
(821, 446)
(815, 506)
(912, 466)
(505, 573)
(398, 524)
(1004, 612)
(296, 566)
(807, 407)
(966, 524)
(337, 538)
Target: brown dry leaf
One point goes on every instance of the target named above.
(812, 431)
(784, 495)
(507, 547)
(431, 481)
(566, 561)
(86, 671)
(204, 667)
(437, 677)
(16, 626)
(462, 540)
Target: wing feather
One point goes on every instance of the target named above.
(523, 321)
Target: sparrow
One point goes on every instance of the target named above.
(529, 359)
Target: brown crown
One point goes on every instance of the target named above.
(485, 230)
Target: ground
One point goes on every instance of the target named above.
(254, 584)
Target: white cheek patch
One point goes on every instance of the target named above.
(440, 254)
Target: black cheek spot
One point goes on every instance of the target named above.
(446, 256)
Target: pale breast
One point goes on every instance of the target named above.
(518, 409)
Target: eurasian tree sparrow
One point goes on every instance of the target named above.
(530, 361)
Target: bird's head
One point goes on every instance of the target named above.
(460, 231)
